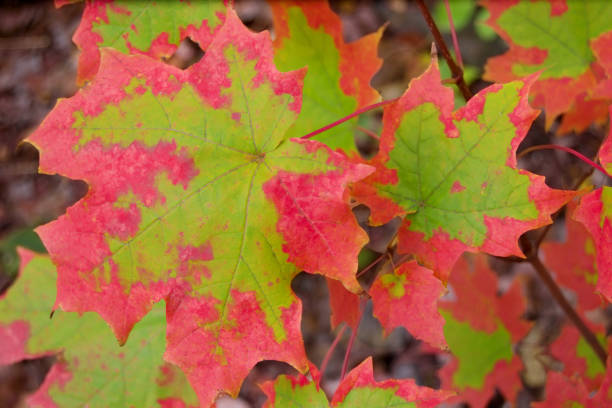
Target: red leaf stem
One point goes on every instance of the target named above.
(349, 117)
(330, 351)
(349, 347)
(368, 132)
(565, 149)
(453, 34)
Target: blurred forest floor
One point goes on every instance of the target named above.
(38, 66)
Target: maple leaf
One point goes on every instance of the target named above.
(338, 78)
(573, 262)
(453, 175)
(408, 297)
(198, 197)
(142, 27)
(90, 369)
(577, 355)
(481, 328)
(562, 391)
(595, 213)
(553, 37)
(357, 389)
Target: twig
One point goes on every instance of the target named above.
(555, 291)
(455, 69)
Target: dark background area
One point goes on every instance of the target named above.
(38, 66)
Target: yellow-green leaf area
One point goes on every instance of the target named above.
(565, 37)
(451, 184)
(476, 351)
(394, 284)
(323, 101)
(140, 22)
(593, 363)
(116, 375)
(289, 395)
(374, 397)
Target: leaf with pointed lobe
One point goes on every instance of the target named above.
(563, 391)
(91, 369)
(153, 28)
(337, 82)
(595, 213)
(481, 328)
(357, 389)
(554, 38)
(408, 297)
(198, 197)
(453, 175)
(573, 262)
(344, 305)
(578, 357)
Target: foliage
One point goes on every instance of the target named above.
(205, 200)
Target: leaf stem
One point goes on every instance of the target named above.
(555, 291)
(368, 132)
(349, 347)
(455, 69)
(349, 117)
(565, 149)
(453, 34)
(330, 351)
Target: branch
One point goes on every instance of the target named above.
(555, 291)
(455, 69)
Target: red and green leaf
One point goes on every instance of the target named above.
(91, 368)
(595, 213)
(453, 175)
(197, 196)
(481, 330)
(408, 297)
(338, 78)
(573, 262)
(578, 357)
(153, 28)
(550, 37)
(562, 391)
(358, 389)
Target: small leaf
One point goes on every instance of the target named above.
(453, 175)
(338, 78)
(408, 297)
(481, 330)
(595, 213)
(358, 389)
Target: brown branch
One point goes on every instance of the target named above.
(455, 69)
(555, 291)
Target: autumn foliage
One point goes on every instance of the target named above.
(205, 201)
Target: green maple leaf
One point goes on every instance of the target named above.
(337, 81)
(453, 175)
(198, 197)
